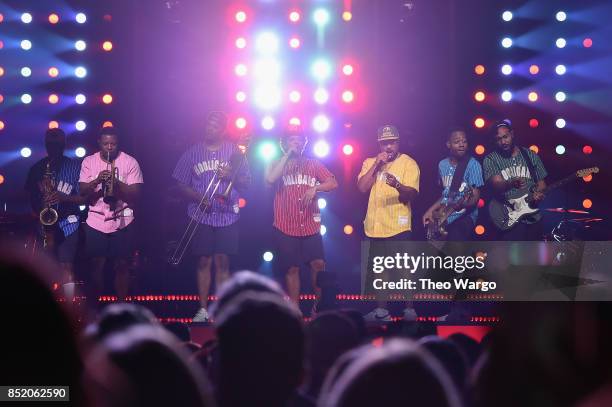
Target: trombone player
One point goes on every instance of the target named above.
(111, 181)
(53, 187)
(213, 162)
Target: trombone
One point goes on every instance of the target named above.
(206, 203)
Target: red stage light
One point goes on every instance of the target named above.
(479, 149)
(480, 230)
(587, 204)
(587, 149)
(241, 202)
(534, 148)
(1, 44)
(481, 203)
(1, 98)
(588, 43)
(1, 179)
(588, 178)
(107, 124)
(533, 123)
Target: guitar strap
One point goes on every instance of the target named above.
(527, 159)
(458, 175)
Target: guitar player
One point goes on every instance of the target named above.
(458, 173)
(511, 172)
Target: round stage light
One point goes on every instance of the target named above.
(561, 43)
(533, 123)
(321, 69)
(560, 69)
(294, 16)
(267, 123)
(479, 69)
(26, 45)
(107, 46)
(587, 204)
(53, 98)
(53, 124)
(294, 42)
(267, 43)
(321, 17)
(506, 69)
(560, 96)
(479, 230)
(347, 69)
(321, 96)
(26, 99)
(561, 16)
(80, 125)
(53, 18)
(587, 149)
(1, 179)
(347, 149)
(241, 16)
(242, 202)
(106, 124)
(240, 96)
(479, 122)
(479, 149)
(507, 15)
(560, 149)
(240, 43)
(267, 97)
(295, 121)
(107, 99)
(25, 152)
(268, 256)
(479, 96)
(321, 148)
(26, 18)
(268, 150)
(1, 125)
(241, 122)
(320, 123)
(506, 96)
(267, 70)
(1, 98)
(532, 96)
(347, 96)
(80, 99)
(347, 15)
(588, 178)
(26, 72)
(240, 69)
(80, 45)
(534, 148)
(80, 72)
(294, 96)
(80, 152)
(534, 69)
(560, 123)
(322, 203)
(323, 230)
(506, 42)
(1, 71)
(81, 18)
(53, 72)
(348, 229)
(587, 43)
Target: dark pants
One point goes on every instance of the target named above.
(461, 230)
(523, 232)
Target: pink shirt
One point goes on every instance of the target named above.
(100, 216)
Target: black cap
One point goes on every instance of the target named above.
(504, 123)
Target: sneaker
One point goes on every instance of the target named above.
(201, 315)
(378, 315)
(410, 314)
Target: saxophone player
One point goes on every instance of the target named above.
(53, 187)
(216, 236)
(109, 231)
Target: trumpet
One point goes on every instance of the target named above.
(206, 202)
(109, 194)
(48, 216)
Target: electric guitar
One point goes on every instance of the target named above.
(505, 215)
(436, 229)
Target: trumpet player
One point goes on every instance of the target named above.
(216, 233)
(111, 180)
(392, 180)
(53, 187)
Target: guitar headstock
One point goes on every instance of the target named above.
(586, 172)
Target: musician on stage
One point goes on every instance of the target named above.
(511, 171)
(111, 180)
(53, 186)
(297, 180)
(392, 180)
(458, 174)
(216, 236)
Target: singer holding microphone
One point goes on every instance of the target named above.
(392, 179)
(111, 180)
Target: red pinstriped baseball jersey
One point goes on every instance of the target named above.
(290, 215)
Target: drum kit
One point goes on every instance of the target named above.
(574, 228)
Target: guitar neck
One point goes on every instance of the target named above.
(560, 183)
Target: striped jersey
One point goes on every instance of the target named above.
(290, 216)
(100, 216)
(386, 215)
(515, 167)
(66, 179)
(472, 177)
(196, 169)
